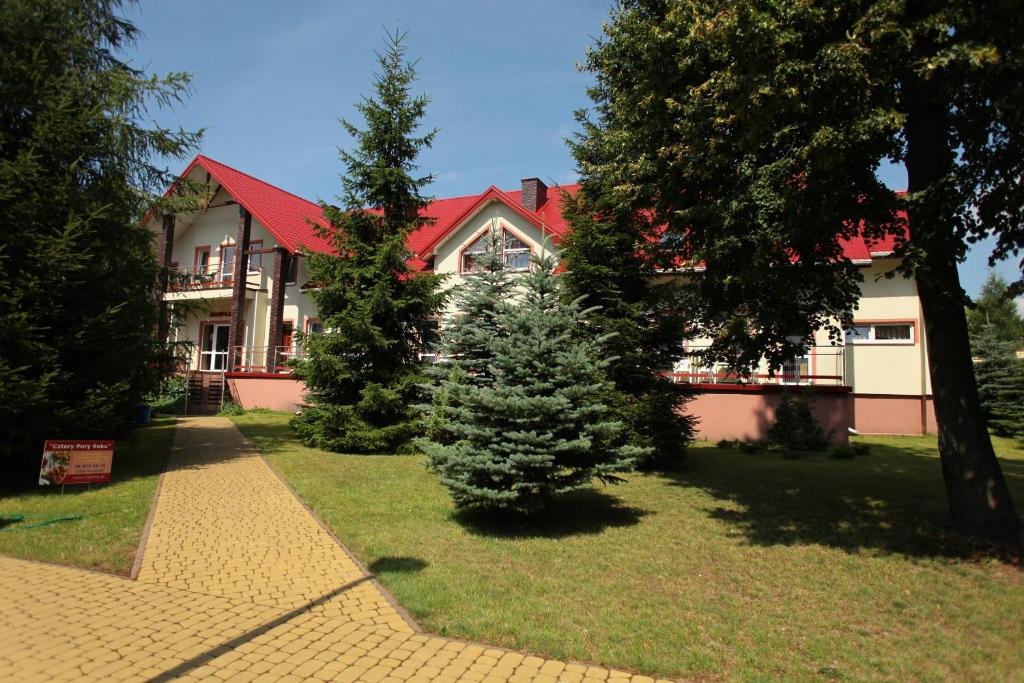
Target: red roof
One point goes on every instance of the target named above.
(290, 218)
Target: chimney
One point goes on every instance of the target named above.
(535, 193)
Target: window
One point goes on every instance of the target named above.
(292, 271)
(515, 253)
(880, 333)
(472, 255)
(227, 262)
(213, 354)
(201, 264)
(314, 326)
(255, 256)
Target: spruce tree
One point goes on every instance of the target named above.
(1000, 377)
(995, 312)
(524, 398)
(362, 373)
(609, 262)
(78, 274)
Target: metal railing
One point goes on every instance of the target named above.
(265, 359)
(818, 366)
(186, 279)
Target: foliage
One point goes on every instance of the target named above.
(522, 395)
(996, 309)
(171, 395)
(1000, 383)
(642, 332)
(77, 271)
(231, 408)
(751, 135)
(795, 427)
(362, 373)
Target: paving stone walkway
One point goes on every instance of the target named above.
(238, 582)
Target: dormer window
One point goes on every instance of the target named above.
(515, 253)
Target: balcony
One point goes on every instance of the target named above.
(820, 366)
(264, 360)
(206, 282)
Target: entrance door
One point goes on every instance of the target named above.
(213, 354)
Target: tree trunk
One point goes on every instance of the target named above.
(979, 501)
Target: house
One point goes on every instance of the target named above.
(241, 292)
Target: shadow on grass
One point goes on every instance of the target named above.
(269, 437)
(578, 513)
(398, 565)
(890, 501)
(142, 452)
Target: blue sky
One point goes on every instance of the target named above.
(271, 79)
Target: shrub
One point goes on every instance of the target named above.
(795, 428)
(231, 408)
(726, 443)
(750, 447)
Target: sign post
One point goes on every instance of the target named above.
(76, 462)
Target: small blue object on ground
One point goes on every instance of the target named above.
(142, 414)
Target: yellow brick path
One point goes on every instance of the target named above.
(238, 582)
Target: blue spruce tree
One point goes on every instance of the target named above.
(521, 400)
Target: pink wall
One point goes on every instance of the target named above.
(746, 412)
(881, 414)
(279, 392)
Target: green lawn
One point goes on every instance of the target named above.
(107, 536)
(739, 566)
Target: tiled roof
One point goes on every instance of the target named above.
(291, 218)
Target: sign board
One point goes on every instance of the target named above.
(76, 462)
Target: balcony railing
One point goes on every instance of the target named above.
(265, 359)
(202, 277)
(819, 366)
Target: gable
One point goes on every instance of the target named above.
(449, 252)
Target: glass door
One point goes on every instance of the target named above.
(213, 354)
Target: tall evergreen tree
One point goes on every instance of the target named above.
(609, 261)
(77, 272)
(995, 313)
(523, 402)
(756, 130)
(1000, 383)
(362, 373)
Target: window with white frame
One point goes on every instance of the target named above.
(880, 333)
(515, 253)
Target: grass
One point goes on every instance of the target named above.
(738, 566)
(107, 536)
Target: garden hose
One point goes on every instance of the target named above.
(17, 518)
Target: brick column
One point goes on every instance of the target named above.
(236, 333)
(276, 331)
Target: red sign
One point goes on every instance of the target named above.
(76, 462)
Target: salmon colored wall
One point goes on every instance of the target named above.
(273, 393)
(746, 413)
(874, 414)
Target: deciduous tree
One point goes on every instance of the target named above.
(753, 132)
